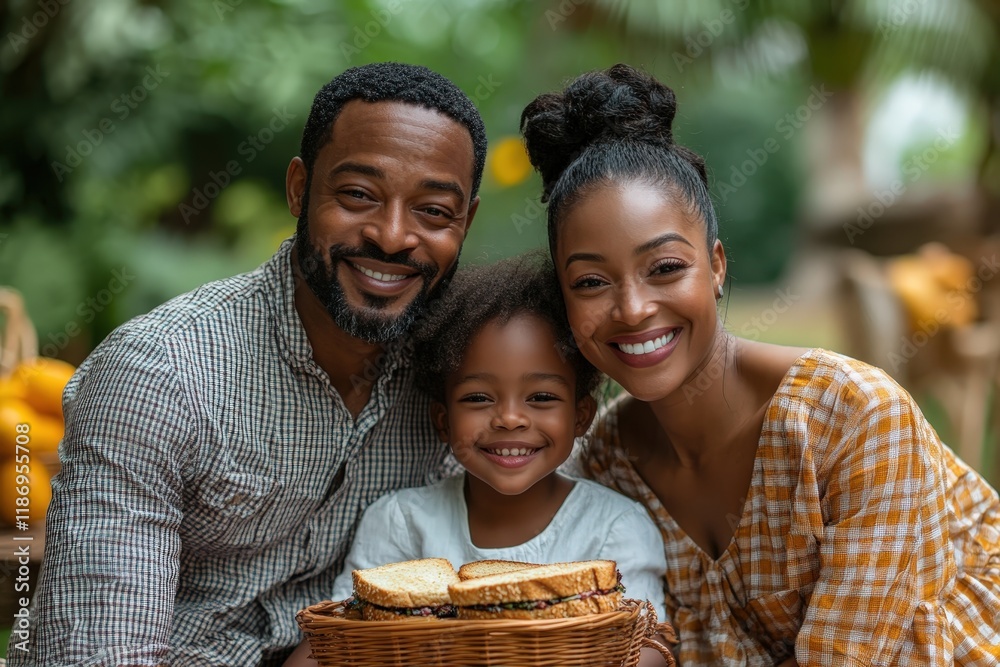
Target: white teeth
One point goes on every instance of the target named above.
(648, 346)
(387, 277)
(510, 452)
(505, 452)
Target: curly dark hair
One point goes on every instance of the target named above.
(478, 295)
(607, 126)
(392, 82)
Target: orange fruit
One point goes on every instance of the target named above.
(44, 380)
(14, 412)
(11, 388)
(35, 481)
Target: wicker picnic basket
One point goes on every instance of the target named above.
(611, 639)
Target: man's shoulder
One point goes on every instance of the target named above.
(234, 303)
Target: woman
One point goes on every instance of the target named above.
(809, 511)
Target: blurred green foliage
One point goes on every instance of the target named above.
(152, 137)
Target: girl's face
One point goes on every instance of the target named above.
(640, 287)
(510, 411)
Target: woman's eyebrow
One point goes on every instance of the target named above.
(662, 239)
(652, 244)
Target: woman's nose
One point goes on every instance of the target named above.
(633, 304)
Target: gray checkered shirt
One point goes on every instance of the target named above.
(211, 483)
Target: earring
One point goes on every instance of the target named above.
(720, 291)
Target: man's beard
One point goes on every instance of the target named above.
(370, 322)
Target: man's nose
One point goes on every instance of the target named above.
(392, 230)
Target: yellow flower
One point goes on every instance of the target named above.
(508, 162)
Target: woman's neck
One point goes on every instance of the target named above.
(497, 520)
(713, 410)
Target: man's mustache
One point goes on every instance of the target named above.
(341, 252)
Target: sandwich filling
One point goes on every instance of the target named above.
(531, 605)
(354, 603)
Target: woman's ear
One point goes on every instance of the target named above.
(586, 408)
(718, 266)
(439, 416)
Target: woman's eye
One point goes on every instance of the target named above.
(667, 267)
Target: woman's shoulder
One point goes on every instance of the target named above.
(821, 378)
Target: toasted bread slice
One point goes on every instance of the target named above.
(599, 604)
(545, 583)
(410, 584)
(484, 568)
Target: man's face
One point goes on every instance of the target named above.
(385, 214)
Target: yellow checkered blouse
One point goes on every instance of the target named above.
(864, 539)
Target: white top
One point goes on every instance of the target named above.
(594, 523)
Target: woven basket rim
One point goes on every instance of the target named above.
(336, 640)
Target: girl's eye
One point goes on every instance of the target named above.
(474, 398)
(587, 282)
(543, 397)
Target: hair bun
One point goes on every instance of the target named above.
(617, 104)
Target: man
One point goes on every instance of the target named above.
(220, 449)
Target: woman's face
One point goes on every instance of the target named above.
(640, 287)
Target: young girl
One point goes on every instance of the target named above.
(811, 514)
(511, 394)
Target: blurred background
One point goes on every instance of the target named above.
(853, 147)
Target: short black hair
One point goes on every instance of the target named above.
(479, 295)
(392, 82)
(607, 126)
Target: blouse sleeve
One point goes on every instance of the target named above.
(884, 551)
(382, 537)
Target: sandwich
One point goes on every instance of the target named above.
(484, 568)
(560, 590)
(401, 591)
